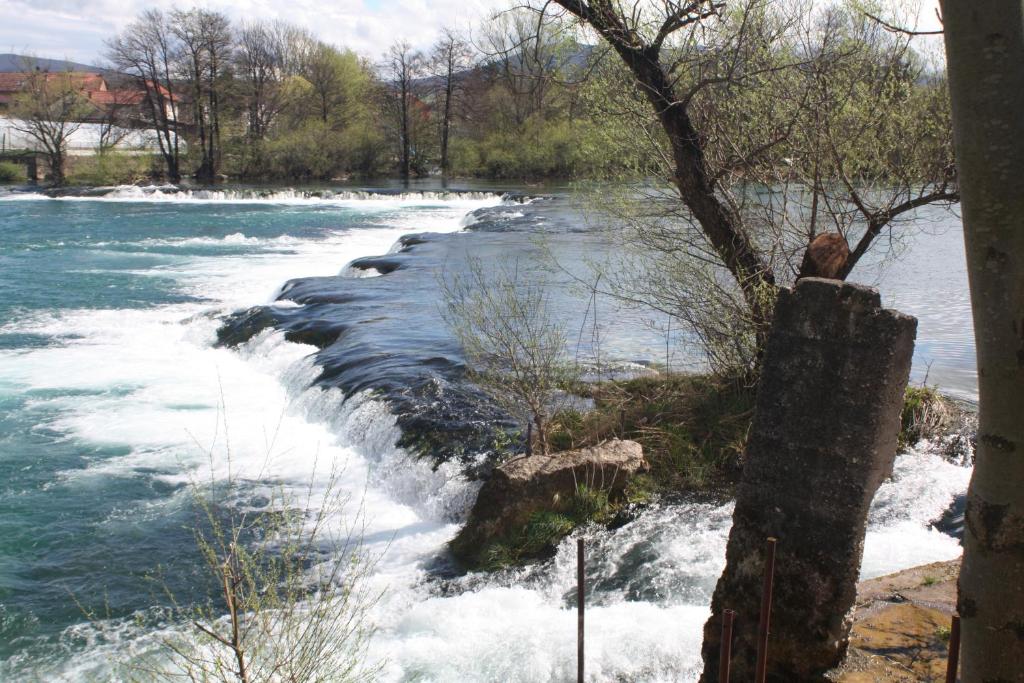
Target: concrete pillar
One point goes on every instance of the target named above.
(32, 169)
(823, 439)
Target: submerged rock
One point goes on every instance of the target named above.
(524, 486)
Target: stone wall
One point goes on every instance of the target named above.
(823, 439)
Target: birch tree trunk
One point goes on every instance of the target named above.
(985, 54)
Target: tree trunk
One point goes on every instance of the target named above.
(720, 224)
(405, 127)
(57, 168)
(985, 54)
(447, 122)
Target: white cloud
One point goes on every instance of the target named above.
(76, 29)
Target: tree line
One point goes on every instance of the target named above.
(269, 100)
(769, 99)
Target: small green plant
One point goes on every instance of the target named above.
(288, 601)
(929, 581)
(926, 414)
(590, 505)
(545, 529)
(942, 633)
(11, 172)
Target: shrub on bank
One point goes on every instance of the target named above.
(539, 148)
(314, 151)
(111, 168)
(693, 428)
(11, 172)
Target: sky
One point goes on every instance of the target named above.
(76, 29)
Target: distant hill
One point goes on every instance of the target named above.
(11, 63)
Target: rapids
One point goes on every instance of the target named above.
(116, 395)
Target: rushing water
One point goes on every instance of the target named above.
(115, 396)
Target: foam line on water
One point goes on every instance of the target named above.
(172, 194)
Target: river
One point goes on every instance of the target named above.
(116, 396)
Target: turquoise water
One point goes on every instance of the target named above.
(107, 375)
(114, 400)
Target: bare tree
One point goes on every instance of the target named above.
(146, 51)
(772, 124)
(450, 57)
(49, 109)
(204, 44)
(515, 345)
(262, 62)
(403, 65)
(985, 50)
(530, 56)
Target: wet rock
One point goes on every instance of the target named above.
(523, 486)
(241, 326)
(381, 264)
(901, 626)
(823, 439)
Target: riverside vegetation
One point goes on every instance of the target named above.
(693, 431)
(527, 96)
(692, 427)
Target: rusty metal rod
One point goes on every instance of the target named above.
(766, 612)
(580, 577)
(953, 661)
(725, 648)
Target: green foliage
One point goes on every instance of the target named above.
(111, 168)
(316, 151)
(539, 148)
(693, 429)
(545, 529)
(590, 505)
(11, 172)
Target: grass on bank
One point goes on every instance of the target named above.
(693, 428)
(11, 172)
(546, 528)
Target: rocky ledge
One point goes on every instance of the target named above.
(901, 627)
(524, 487)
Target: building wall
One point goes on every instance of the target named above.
(83, 142)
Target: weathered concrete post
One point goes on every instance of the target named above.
(32, 169)
(823, 440)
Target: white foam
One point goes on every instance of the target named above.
(161, 389)
(376, 201)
